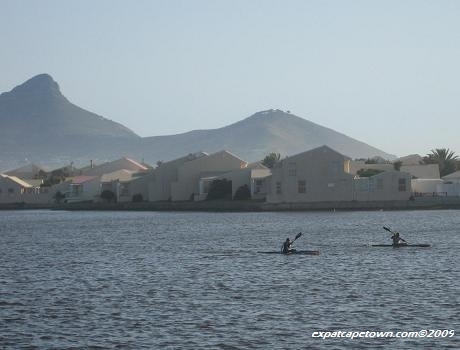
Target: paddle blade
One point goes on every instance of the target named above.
(298, 235)
(387, 229)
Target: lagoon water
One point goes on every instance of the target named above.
(161, 280)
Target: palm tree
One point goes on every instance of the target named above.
(444, 157)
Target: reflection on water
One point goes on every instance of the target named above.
(131, 280)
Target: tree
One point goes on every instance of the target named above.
(220, 189)
(445, 158)
(270, 160)
(58, 197)
(242, 193)
(397, 165)
(138, 198)
(108, 196)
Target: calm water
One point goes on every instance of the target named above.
(145, 280)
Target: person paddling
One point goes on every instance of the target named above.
(287, 245)
(397, 240)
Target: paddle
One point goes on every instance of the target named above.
(387, 229)
(297, 236)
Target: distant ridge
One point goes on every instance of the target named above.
(39, 124)
(261, 133)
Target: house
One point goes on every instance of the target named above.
(254, 176)
(186, 187)
(451, 184)
(384, 186)
(16, 190)
(315, 175)
(160, 179)
(83, 188)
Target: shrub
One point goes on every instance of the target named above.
(242, 193)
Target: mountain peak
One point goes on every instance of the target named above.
(42, 84)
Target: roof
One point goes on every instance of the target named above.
(82, 179)
(16, 180)
(314, 150)
(412, 159)
(422, 171)
(120, 175)
(29, 168)
(451, 176)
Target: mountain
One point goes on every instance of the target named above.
(260, 134)
(39, 124)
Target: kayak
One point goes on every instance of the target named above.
(301, 252)
(402, 245)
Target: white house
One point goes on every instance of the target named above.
(451, 184)
(83, 188)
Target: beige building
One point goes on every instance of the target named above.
(254, 176)
(388, 185)
(160, 179)
(312, 176)
(186, 187)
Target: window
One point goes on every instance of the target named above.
(278, 187)
(302, 186)
(292, 170)
(402, 185)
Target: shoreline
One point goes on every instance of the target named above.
(431, 203)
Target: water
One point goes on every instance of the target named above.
(146, 280)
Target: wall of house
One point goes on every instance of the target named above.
(90, 191)
(316, 175)
(389, 185)
(189, 174)
(12, 192)
(424, 187)
(139, 185)
(159, 185)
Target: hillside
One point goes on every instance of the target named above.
(260, 134)
(39, 124)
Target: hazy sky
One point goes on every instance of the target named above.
(383, 72)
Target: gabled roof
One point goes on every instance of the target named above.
(77, 180)
(120, 175)
(29, 168)
(452, 176)
(122, 163)
(16, 180)
(422, 171)
(315, 150)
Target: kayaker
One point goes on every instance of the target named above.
(287, 246)
(397, 240)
